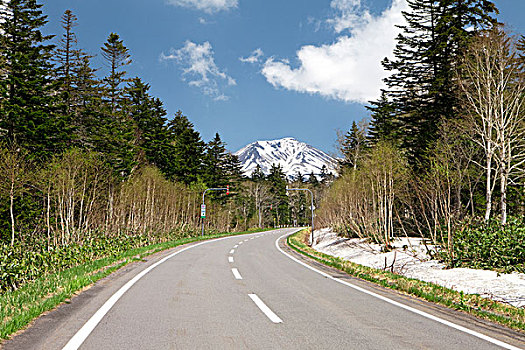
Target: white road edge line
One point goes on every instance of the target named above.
(236, 274)
(419, 312)
(230, 259)
(232, 251)
(265, 309)
(76, 341)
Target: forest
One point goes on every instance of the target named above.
(92, 165)
(442, 156)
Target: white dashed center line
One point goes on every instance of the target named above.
(236, 274)
(230, 259)
(261, 305)
(232, 251)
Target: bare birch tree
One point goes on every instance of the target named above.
(492, 85)
(13, 172)
(260, 192)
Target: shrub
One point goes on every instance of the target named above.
(491, 246)
(23, 263)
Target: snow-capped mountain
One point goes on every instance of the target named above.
(292, 155)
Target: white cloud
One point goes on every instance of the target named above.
(351, 15)
(255, 57)
(348, 69)
(199, 69)
(209, 6)
(315, 22)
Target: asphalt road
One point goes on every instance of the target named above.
(243, 292)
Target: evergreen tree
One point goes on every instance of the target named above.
(79, 90)
(421, 88)
(298, 177)
(385, 124)
(64, 56)
(28, 113)
(151, 134)
(215, 162)
(326, 176)
(353, 145)
(277, 182)
(117, 56)
(312, 179)
(232, 167)
(257, 174)
(186, 159)
(86, 102)
(116, 130)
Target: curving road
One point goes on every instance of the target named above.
(251, 292)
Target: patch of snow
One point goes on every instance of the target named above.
(410, 258)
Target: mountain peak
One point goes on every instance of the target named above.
(293, 156)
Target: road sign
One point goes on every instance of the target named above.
(203, 211)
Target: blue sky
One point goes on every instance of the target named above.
(254, 69)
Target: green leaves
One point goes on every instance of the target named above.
(28, 114)
(491, 246)
(21, 264)
(421, 89)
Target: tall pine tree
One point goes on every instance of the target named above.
(86, 101)
(28, 113)
(152, 136)
(232, 170)
(420, 91)
(186, 159)
(353, 145)
(64, 56)
(116, 130)
(117, 56)
(215, 162)
(277, 182)
(79, 90)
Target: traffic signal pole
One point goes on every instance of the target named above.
(203, 206)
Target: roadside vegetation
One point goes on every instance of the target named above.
(92, 166)
(443, 154)
(21, 306)
(484, 308)
(94, 172)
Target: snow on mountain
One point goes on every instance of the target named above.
(292, 155)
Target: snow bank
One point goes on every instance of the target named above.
(410, 258)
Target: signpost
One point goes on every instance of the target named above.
(203, 206)
(203, 211)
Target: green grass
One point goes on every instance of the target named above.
(473, 304)
(19, 307)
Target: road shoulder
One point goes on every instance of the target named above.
(463, 319)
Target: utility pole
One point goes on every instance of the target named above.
(203, 206)
(311, 207)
